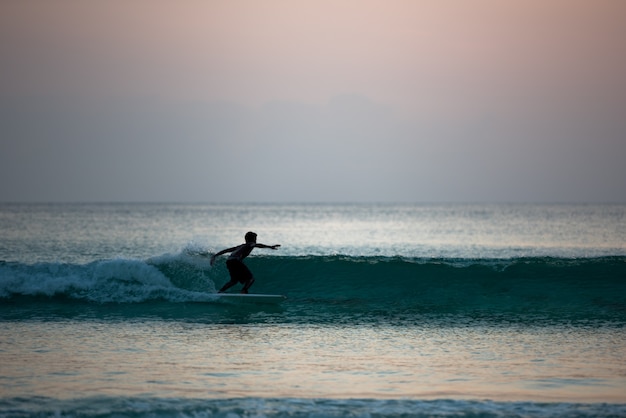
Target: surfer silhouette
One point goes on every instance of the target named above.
(239, 272)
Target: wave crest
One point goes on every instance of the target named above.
(551, 286)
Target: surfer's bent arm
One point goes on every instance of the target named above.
(227, 250)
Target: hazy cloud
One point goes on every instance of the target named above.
(313, 101)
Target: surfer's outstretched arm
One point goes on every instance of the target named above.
(272, 247)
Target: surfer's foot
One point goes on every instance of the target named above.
(244, 292)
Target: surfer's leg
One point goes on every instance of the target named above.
(235, 270)
(245, 277)
(247, 285)
(228, 286)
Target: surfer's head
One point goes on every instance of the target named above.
(250, 237)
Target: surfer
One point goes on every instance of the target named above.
(239, 272)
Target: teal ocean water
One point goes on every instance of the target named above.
(451, 310)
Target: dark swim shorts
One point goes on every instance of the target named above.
(238, 271)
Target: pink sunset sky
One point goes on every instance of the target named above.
(324, 100)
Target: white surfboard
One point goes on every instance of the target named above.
(249, 297)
